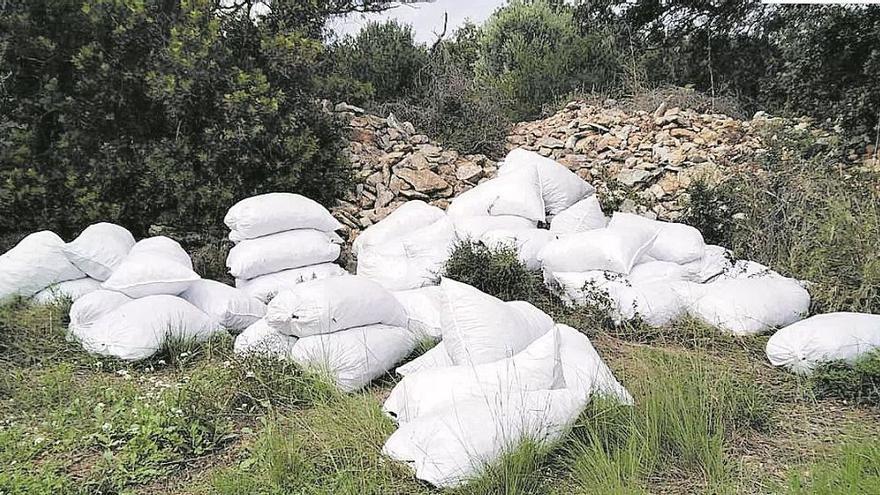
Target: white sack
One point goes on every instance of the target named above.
(86, 310)
(422, 307)
(538, 321)
(616, 250)
(408, 217)
(435, 357)
(99, 249)
(163, 247)
(276, 212)
(517, 193)
(479, 328)
(537, 367)
(333, 304)
(409, 262)
(70, 289)
(657, 303)
(473, 228)
(675, 242)
(802, 346)
(144, 274)
(259, 339)
(35, 263)
(745, 269)
(230, 308)
(527, 243)
(265, 287)
(584, 370)
(560, 187)
(356, 356)
(138, 329)
(662, 271)
(751, 306)
(582, 216)
(282, 251)
(716, 261)
(452, 446)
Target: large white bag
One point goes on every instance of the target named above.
(584, 370)
(616, 250)
(265, 287)
(333, 304)
(537, 367)
(716, 261)
(34, 264)
(231, 308)
(67, 290)
(517, 193)
(282, 251)
(138, 329)
(435, 357)
(560, 187)
(662, 271)
(538, 321)
(473, 228)
(582, 216)
(479, 328)
(408, 217)
(356, 356)
(86, 310)
(259, 339)
(675, 242)
(802, 346)
(144, 274)
(163, 247)
(422, 306)
(409, 262)
(656, 303)
(454, 445)
(527, 243)
(276, 212)
(99, 249)
(750, 306)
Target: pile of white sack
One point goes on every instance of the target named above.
(502, 374)
(281, 239)
(349, 328)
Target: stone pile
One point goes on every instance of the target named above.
(639, 162)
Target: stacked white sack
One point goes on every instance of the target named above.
(34, 264)
(349, 328)
(281, 239)
(141, 305)
(406, 249)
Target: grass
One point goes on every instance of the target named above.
(710, 417)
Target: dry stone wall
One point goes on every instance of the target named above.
(640, 161)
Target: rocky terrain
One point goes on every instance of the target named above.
(643, 161)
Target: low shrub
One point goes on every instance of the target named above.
(858, 382)
(494, 270)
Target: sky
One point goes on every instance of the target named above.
(426, 18)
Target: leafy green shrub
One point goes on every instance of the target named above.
(150, 113)
(384, 56)
(708, 212)
(533, 52)
(859, 382)
(493, 270)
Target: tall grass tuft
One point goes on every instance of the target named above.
(686, 409)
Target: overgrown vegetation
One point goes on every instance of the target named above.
(802, 213)
(859, 381)
(494, 270)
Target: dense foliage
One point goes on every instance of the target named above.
(159, 112)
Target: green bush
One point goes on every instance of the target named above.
(533, 52)
(801, 211)
(383, 56)
(493, 270)
(859, 382)
(148, 113)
